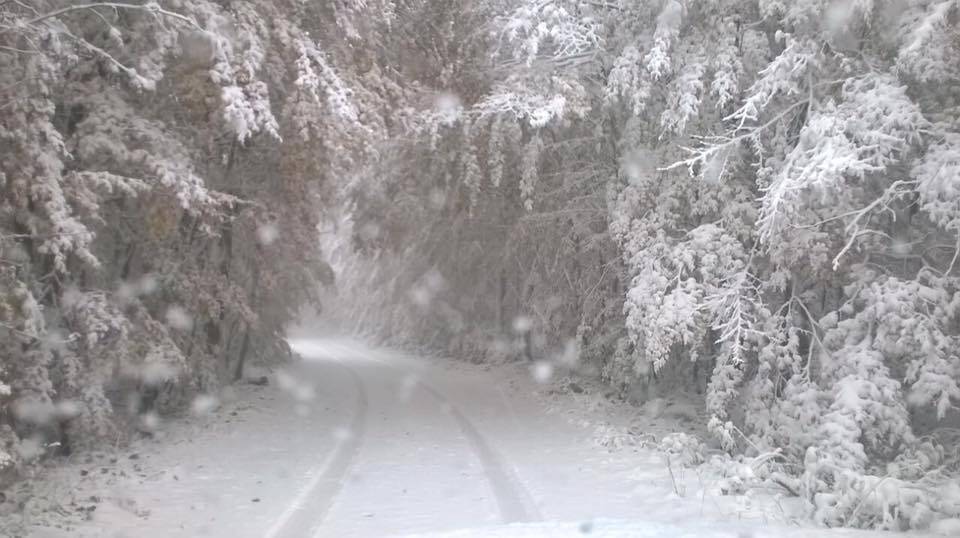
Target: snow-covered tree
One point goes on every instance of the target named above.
(757, 189)
(165, 167)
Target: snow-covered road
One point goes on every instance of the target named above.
(361, 442)
(408, 458)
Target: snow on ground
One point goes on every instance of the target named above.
(221, 475)
(356, 441)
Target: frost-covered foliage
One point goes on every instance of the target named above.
(761, 190)
(686, 449)
(162, 179)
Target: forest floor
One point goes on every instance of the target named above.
(356, 441)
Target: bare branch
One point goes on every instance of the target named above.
(151, 7)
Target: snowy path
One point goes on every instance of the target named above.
(422, 464)
(359, 442)
(305, 513)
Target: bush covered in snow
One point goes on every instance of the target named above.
(683, 448)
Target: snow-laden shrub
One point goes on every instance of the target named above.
(883, 502)
(738, 474)
(683, 449)
(614, 438)
(912, 493)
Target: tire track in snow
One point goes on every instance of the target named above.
(514, 502)
(306, 512)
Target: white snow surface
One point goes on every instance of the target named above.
(356, 441)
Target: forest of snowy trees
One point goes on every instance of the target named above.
(163, 169)
(756, 200)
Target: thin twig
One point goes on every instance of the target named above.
(151, 7)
